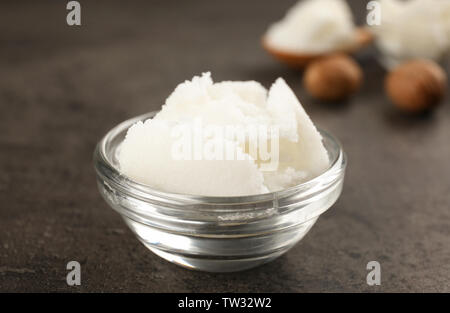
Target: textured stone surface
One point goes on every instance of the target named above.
(62, 88)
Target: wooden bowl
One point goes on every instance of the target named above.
(363, 37)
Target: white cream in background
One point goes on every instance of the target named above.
(313, 26)
(145, 154)
(413, 29)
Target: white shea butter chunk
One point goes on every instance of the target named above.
(414, 28)
(313, 26)
(149, 153)
(146, 156)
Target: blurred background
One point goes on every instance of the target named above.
(63, 87)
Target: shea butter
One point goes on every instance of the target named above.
(313, 26)
(229, 138)
(413, 29)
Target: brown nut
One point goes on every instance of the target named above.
(416, 86)
(333, 78)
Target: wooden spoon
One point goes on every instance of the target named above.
(299, 60)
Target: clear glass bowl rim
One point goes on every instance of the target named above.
(106, 171)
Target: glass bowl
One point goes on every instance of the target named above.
(216, 234)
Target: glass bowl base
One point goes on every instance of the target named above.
(215, 265)
(219, 254)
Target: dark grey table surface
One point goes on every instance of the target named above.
(62, 88)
